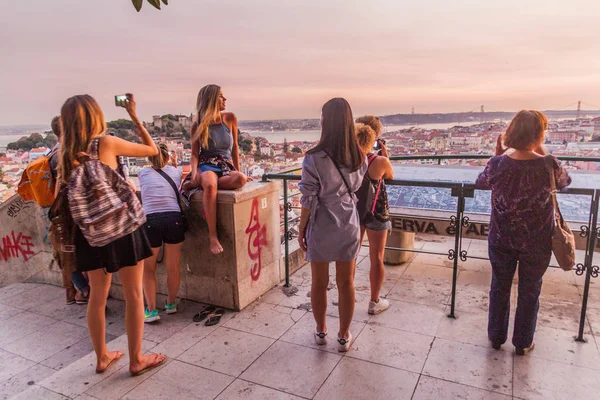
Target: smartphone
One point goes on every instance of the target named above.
(121, 100)
(377, 146)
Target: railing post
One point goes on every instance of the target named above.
(287, 234)
(588, 268)
(455, 254)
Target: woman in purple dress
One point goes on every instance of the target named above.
(521, 225)
(329, 223)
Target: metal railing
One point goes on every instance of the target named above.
(459, 221)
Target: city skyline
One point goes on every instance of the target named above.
(280, 59)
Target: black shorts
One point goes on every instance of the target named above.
(166, 227)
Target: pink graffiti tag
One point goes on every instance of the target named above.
(16, 246)
(256, 240)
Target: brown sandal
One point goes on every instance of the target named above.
(151, 366)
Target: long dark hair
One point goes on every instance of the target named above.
(338, 138)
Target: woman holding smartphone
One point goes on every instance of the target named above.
(379, 168)
(329, 224)
(83, 121)
(215, 155)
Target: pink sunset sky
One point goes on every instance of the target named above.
(284, 58)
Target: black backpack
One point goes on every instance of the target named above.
(366, 193)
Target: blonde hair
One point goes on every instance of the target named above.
(366, 136)
(372, 121)
(82, 120)
(526, 130)
(207, 108)
(162, 158)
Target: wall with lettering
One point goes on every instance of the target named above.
(25, 251)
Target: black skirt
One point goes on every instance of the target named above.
(124, 252)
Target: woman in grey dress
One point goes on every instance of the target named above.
(329, 224)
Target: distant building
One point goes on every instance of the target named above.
(37, 153)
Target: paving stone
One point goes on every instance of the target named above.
(31, 299)
(549, 380)
(119, 383)
(21, 325)
(302, 333)
(169, 325)
(410, 317)
(183, 340)
(23, 381)
(391, 347)
(227, 351)
(181, 381)
(12, 364)
(356, 379)
(16, 288)
(39, 393)
(437, 389)
(262, 319)
(58, 309)
(475, 366)
(47, 342)
(432, 293)
(8, 311)
(293, 369)
(242, 390)
(72, 353)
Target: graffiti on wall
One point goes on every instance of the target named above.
(257, 239)
(16, 207)
(16, 246)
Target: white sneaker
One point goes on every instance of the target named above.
(344, 344)
(379, 307)
(321, 338)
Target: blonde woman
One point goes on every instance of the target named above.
(215, 155)
(377, 230)
(164, 226)
(83, 121)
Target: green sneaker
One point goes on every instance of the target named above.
(151, 316)
(171, 308)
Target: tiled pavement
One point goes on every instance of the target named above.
(412, 351)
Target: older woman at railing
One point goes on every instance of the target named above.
(521, 225)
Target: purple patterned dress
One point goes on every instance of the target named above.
(522, 209)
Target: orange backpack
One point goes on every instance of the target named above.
(37, 182)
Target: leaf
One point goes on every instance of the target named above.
(137, 4)
(155, 3)
(166, 2)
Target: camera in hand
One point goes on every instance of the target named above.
(121, 100)
(378, 144)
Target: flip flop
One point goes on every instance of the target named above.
(215, 317)
(201, 316)
(151, 366)
(114, 360)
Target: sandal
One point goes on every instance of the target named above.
(205, 312)
(155, 364)
(215, 317)
(114, 360)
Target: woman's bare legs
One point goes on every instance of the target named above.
(96, 319)
(131, 277)
(318, 293)
(377, 241)
(172, 257)
(209, 182)
(344, 276)
(235, 180)
(150, 279)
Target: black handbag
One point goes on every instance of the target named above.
(184, 221)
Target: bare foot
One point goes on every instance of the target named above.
(215, 246)
(146, 363)
(107, 360)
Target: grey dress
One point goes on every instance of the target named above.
(333, 230)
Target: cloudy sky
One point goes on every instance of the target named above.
(285, 58)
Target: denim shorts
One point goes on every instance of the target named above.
(377, 225)
(165, 227)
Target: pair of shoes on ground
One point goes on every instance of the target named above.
(520, 351)
(152, 315)
(212, 314)
(343, 344)
(76, 297)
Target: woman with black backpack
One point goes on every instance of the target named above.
(87, 165)
(329, 223)
(377, 221)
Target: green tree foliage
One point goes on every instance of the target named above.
(246, 146)
(34, 140)
(297, 150)
(121, 124)
(128, 135)
(155, 3)
(170, 117)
